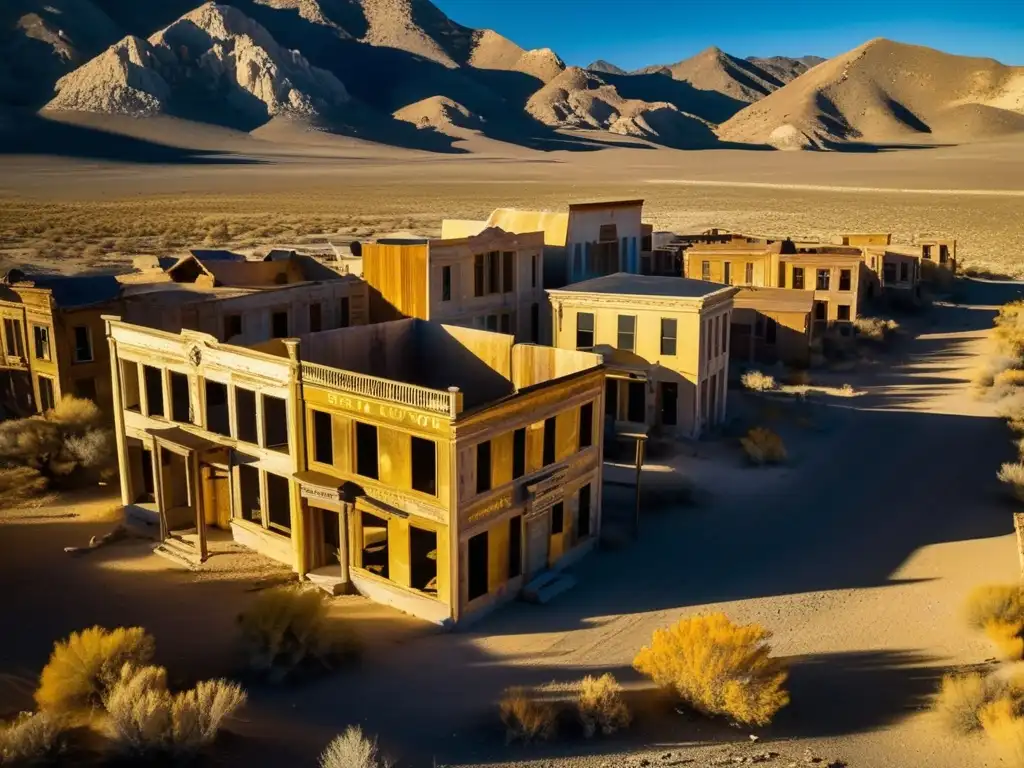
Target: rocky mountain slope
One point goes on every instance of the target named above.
(885, 91)
(605, 67)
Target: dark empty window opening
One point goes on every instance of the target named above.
(771, 330)
(636, 405)
(446, 283)
(584, 330)
(535, 323)
(154, 378)
(422, 559)
(669, 403)
(148, 494)
(782, 275)
(12, 333)
(843, 312)
(181, 402)
(627, 332)
(375, 544)
(586, 425)
(483, 466)
(518, 453)
(279, 325)
(508, 271)
(41, 336)
(845, 279)
(926, 252)
(549, 440)
(505, 323)
(279, 505)
(249, 483)
(344, 314)
(477, 566)
(557, 518)
(533, 272)
(47, 398)
(478, 274)
(217, 419)
(130, 385)
(798, 278)
(583, 513)
(366, 450)
(515, 546)
(275, 422)
(668, 336)
(943, 254)
(424, 465)
(85, 388)
(608, 233)
(315, 317)
(904, 271)
(727, 273)
(492, 323)
(820, 310)
(232, 326)
(245, 415)
(323, 437)
(493, 272)
(83, 344)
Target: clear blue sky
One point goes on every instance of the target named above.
(634, 33)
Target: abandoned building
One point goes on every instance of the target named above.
(665, 341)
(493, 281)
(771, 325)
(893, 273)
(435, 468)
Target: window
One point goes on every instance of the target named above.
(843, 312)
(904, 272)
(505, 322)
(820, 310)
(636, 404)
(705, 270)
(771, 331)
(85, 388)
(608, 233)
(249, 483)
(344, 315)
(245, 415)
(493, 273)
(533, 271)
(888, 272)
(422, 559)
(515, 546)
(798, 278)
(148, 495)
(943, 254)
(492, 323)
(926, 252)
(323, 438)
(130, 385)
(508, 271)
(823, 279)
(627, 332)
(535, 323)
(446, 283)
(46, 396)
(424, 466)
(557, 518)
(844, 279)
(583, 513)
(232, 326)
(181, 400)
(549, 441)
(315, 317)
(611, 398)
(518, 453)
(12, 332)
(478, 274)
(279, 325)
(584, 330)
(279, 504)
(749, 275)
(83, 344)
(782, 275)
(41, 337)
(374, 555)
(154, 381)
(586, 425)
(275, 422)
(478, 570)
(727, 273)
(483, 466)
(217, 408)
(366, 450)
(669, 403)
(668, 336)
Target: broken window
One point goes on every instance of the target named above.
(549, 441)
(279, 325)
(323, 437)
(83, 344)
(181, 406)
(279, 505)
(845, 278)
(422, 559)
(820, 310)
(446, 283)
(583, 513)
(771, 329)
(943, 254)
(315, 317)
(12, 332)
(515, 546)
(668, 336)
(366, 450)
(375, 544)
(557, 518)
(249, 486)
(424, 465)
(519, 453)
(627, 332)
(584, 330)
(477, 567)
(232, 326)
(217, 419)
(798, 278)
(41, 336)
(275, 422)
(154, 379)
(586, 425)
(47, 399)
(245, 414)
(130, 385)
(478, 274)
(344, 316)
(483, 466)
(926, 252)
(508, 271)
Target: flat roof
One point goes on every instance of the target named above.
(624, 284)
(612, 203)
(774, 299)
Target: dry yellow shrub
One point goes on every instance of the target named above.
(1006, 636)
(1011, 474)
(718, 667)
(1011, 377)
(600, 705)
(527, 718)
(353, 749)
(31, 739)
(763, 446)
(961, 699)
(999, 602)
(82, 668)
(75, 411)
(1003, 724)
(756, 381)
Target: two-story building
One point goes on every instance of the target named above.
(893, 273)
(493, 281)
(771, 325)
(435, 468)
(665, 341)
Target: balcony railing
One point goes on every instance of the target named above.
(447, 403)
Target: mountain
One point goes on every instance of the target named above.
(715, 70)
(605, 67)
(439, 114)
(785, 68)
(883, 92)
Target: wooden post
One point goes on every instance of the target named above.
(1018, 526)
(640, 440)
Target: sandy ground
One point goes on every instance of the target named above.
(858, 557)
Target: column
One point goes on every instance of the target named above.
(122, 447)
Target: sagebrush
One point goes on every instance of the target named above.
(1002, 722)
(353, 749)
(961, 698)
(998, 610)
(763, 446)
(875, 329)
(82, 668)
(756, 381)
(600, 705)
(1011, 474)
(718, 668)
(527, 717)
(31, 739)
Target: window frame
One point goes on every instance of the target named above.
(822, 279)
(798, 279)
(591, 331)
(669, 342)
(846, 279)
(75, 349)
(446, 282)
(631, 333)
(316, 422)
(36, 341)
(705, 270)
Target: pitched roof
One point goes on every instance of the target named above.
(555, 226)
(70, 291)
(623, 284)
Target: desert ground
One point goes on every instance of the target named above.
(858, 555)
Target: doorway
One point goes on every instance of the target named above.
(216, 492)
(636, 404)
(330, 525)
(538, 541)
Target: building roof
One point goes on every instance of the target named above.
(774, 299)
(623, 284)
(555, 226)
(217, 254)
(583, 205)
(70, 291)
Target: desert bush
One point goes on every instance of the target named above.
(82, 668)
(600, 705)
(1009, 378)
(962, 697)
(1009, 329)
(353, 749)
(286, 631)
(847, 390)
(718, 668)
(1011, 474)
(21, 486)
(527, 718)
(763, 446)
(875, 329)
(31, 739)
(1007, 638)
(756, 381)
(1002, 723)
(994, 602)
